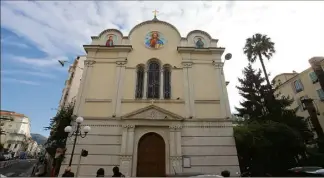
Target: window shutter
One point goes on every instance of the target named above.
(320, 94)
(313, 77)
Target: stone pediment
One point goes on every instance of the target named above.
(152, 112)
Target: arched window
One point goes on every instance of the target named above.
(153, 80)
(167, 82)
(139, 82)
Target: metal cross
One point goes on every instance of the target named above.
(155, 11)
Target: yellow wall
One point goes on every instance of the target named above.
(102, 78)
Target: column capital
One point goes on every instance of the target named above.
(126, 157)
(89, 63)
(187, 64)
(121, 63)
(175, 127)
(218, 65)
(175, 158)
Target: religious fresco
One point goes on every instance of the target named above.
(112, 39)
(154, 40)
(199, 42)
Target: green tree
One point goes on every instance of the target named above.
(251, 89)
(260, 108)
(273, 138)
(58, 136)
(257, 47)
(267, 148)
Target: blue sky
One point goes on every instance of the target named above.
(34, 35)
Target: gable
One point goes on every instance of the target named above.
(152, 112)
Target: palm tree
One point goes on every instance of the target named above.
(257, 47)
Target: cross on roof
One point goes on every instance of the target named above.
(152, 101)
(155, 11)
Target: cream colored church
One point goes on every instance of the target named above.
(156, 103)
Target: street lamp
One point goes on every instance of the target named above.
(76, 133)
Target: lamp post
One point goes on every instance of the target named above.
(76, 133)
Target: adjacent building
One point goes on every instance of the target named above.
(302, 85)
(72, 84)
(16, 131)
(156, 102)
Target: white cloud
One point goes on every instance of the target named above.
(27, 82)
(25, 72)
(61, 28)
(11, 42)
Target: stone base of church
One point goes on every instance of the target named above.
(190, 146)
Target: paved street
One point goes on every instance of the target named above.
(21, 169)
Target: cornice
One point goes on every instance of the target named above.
(88, 100)
(115, 48)
(212, 50)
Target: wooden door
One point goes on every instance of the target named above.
(151, 156)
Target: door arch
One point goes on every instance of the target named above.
(151, 156)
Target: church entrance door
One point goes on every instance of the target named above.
(151, 156)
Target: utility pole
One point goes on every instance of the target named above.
(309, 105)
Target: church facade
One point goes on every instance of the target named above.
(156, 103)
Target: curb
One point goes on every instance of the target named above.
(4, 164)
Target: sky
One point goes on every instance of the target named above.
(35, 34)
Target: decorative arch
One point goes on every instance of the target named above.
(140, 72)
(154, 22)
(167, 81)
(199, 32)
(151, 154)
(110, 30)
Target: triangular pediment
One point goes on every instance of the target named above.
(152, 112)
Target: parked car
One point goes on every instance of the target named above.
(7, 156)
(307, 171)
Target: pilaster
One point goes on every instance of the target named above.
(127, 148)
(175, 149)
(185, 66)
(191, 91)
(161, 84)
(122, 67)
(221, 85)
(145, 85)
(126, 165)
(84, 86)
